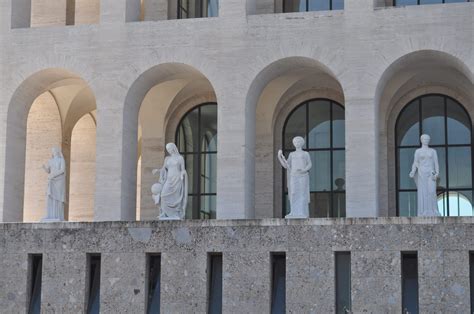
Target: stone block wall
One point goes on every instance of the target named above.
(442, 245)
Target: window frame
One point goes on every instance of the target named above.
(444, 146)
(196, 213)
(418, 2)
(331, 149)
(307, 7)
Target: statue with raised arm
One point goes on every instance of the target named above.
(297, 166)
(425, 172)
(56, 192)
(171, 191)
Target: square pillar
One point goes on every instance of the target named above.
(116, 160)
(359, 5)
(20, 14)
(362, 186)
(237, 8)
(235, 157)
(119, 11)
(155, 10)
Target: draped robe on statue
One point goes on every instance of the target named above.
(425, 163)
(174, 191)
(298, 184)
(56, 191)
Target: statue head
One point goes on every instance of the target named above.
(56, 151)
(172, 149)
(298, 142)
(425, 139)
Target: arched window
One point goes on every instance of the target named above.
(450, 128)
(196, 138)
(321, 123)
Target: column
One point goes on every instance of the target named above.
(119, 11)
(116, 159)
(235, 158)
(362, 187)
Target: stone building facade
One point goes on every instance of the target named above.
(112, 81)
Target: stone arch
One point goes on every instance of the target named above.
(157, 100)
(276, 90)
(65, 86)
(408, 77)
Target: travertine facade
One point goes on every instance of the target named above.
(443, 247)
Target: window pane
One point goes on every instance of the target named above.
(320, 173)
(339, 205)
(405, 2)
(208, 207)
(35, 284)
(190, 164)
(430, 1)
(409, 283)
(94, 285)
(154, 286)
(212, 8)
(405, 161)
(338, 127)
(188, 130)
(319, 5)
(459, 125)
(208, 173)
(456, 1)
(191, 207)
(295, 126)
(443, 204)
(294, 5)
(278, 284)
(215, 286)
(408, 125)
(343, 282)
(319, 124)
(339, 170)
(460, 203)
(320, 206)
(209, 128)
(460, 171)
(441, 152)
(407, 204)
(432, 108)
(338, 4)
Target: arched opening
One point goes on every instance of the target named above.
(420, 73)
(276, 91)
(450, 129)
(196, 138)
(42, 114)
(321, 122)
(161, 97)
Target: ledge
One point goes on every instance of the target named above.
(268, 222)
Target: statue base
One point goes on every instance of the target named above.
(168, 218)
(290, 216)
(51, 220)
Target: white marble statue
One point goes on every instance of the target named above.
(56, 193)
(297, 165)
(425, 171)
(171, 191)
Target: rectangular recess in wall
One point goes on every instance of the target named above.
(410, 282)
(153, 283)
(278, 282)
(343, 282)
(93, 284)
(215, 283)
(471, 276)
(35, 263)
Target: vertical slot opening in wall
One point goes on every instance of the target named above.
(215, 283)
(278, 283)
(93, 284)
(35, 263)
(153, 283)
(343, 282)
(409, 282)
(471, 276)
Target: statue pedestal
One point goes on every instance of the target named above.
(290, 216)
(169, 218)
(51, 220)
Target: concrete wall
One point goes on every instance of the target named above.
(443, 247)
(360, 48)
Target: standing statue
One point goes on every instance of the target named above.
(297, 165)
(171, 191)
(56, 193)
(425, 172)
